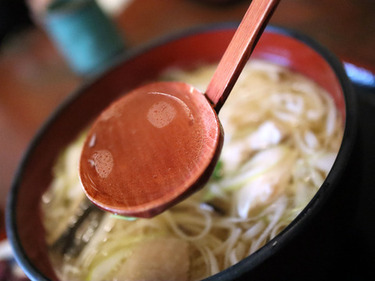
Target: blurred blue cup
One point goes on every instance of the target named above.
(84, 34)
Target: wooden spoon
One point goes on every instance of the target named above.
(159, 143)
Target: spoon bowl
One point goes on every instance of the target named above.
(175, 132)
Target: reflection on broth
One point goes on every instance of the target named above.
(282, 134)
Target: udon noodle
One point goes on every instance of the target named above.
(282, 134)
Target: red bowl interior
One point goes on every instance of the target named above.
(34, 176)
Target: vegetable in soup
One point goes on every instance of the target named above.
(282, 135)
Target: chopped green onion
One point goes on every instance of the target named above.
(123, 217)
(218, 171)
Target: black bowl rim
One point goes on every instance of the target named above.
(283, 238)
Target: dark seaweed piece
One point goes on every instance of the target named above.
(80, 230)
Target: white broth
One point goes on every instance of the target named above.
(282, 135)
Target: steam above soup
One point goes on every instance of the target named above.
(282, 135)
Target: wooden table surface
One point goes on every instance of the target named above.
(34, 78)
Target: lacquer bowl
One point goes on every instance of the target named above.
(302, 248)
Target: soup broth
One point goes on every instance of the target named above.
(282, 135)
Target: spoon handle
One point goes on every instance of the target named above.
(239, 50)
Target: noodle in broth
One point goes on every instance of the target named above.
(282, 135)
